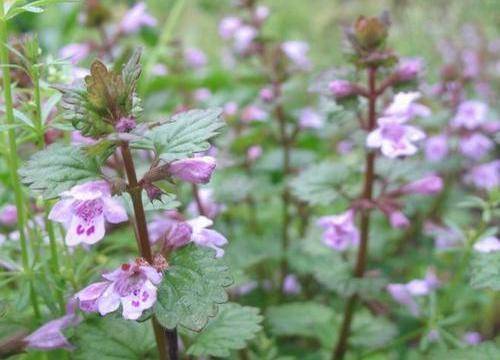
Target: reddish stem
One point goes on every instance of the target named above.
(341, 347)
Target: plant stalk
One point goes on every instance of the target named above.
(142, 236)
(13, 159)
(342, 341)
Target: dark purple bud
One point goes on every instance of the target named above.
(125, 124)
(154, 192)
(197, 170)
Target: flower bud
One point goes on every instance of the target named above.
(370, 32)
(266, 94)
(428, 185)
(125, 124)
(341, 88)
(197, 170)
(178, 235)
(8, 215)
(153, 192)
(398, 220)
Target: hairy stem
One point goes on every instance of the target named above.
(342, 340)
(13, 160)
(39, 127)
(142, 236)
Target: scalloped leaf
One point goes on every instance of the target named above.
(58, 168)
(192, 288)
(112, 338)
(485, 270)
(323, 183)
(231, 329)
(186, 134)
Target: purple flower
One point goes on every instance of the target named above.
(133, 285)
(487, 245)
(404, 108)
(170, 230)
(135, 18)
(394, 139)
(207, 237)
(78, 139)
(210, 208)
(409, 68)
(340, 231)
(436, 148)
(402, 295)
(8, 215)
(433, 335)
(125, 124)
(291, 285)
(230, 108)
(244, 37)
(428, 185)
(345, 147)
(470, 114)
(297, 51)
(50, 336)
(341, 88)
(398, 220)
(84, 209)
(253, 113)
(444, 237)
(261, 13)
(485, 176)
(266, 94)
(254, 152)
(472, 338)
(472, 64)
(75, 52)
(195, 58)
(475, 146)
(196, 170)
(310, 119)
(228, 27)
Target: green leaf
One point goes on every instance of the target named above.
(485, 270)
(187, 133)
(305, 319)
(233, 326)
(112, 338)
(323, 183)
(166, 202)
(484, 351)
(58, 168)
(192, 288)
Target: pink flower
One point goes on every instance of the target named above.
(50, 336)
(297, 51)
(206, 237)
(487, 245)
(428, 185)
(470, 114)
(230, 108)
(135, 18)
(341, 88)
(253, 113)
(228, 27)
(436, 148)
(310, 119)
(133, 285)
(340, 232)
(196, 170)
(254, 152)
(75, 52)
(195, 58)
(394, 139)
(485, 176)
(125, 124)
(244, 37)
(8, 215)
(170, 230)
(409, 68)
(202, 94)
(84, 209)
(475, 146)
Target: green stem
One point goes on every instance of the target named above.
(13, 160)
(39, 126)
